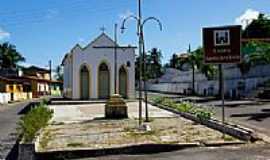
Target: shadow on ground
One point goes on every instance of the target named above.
(133, 150)
(255, 116)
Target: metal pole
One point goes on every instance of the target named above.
(222, 94)
(115, 59)
(140, 63)
(50, 69)
(144, 81)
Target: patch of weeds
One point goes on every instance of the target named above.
(33, 121)
(157, 99)
(228, 138)
(128, 129)
(74, 145)
(138, 134)
(46, 137)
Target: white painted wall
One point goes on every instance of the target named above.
(177, 81)
(92, 58)
(5, 98)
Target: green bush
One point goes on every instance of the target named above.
(184, 107)
(187, 107)
(33, 121)
(203, 113)
(158, 99)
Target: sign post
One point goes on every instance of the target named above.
(222, 45)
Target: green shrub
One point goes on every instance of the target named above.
(187, 107)
(158, 99)
(33, 121)
(45, 101)
(203, 114)
(184, 107)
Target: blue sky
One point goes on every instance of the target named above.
(47, 29)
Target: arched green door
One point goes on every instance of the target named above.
(103, 82)
(123, 82)
(84, 81)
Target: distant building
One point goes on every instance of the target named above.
(34, 80)
(89, 71)
(17, 88)
(41, 82)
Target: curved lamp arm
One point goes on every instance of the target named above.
(155, 19)
(124, 21)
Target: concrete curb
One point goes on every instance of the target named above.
(237, 131)
(135, 149)
(220, 144)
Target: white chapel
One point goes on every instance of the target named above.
(89, 72)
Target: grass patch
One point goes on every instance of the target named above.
(228, 138)
(75, 145)
(33, 121)
(45, 139)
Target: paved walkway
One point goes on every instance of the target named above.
(9, 116)
(77, 113)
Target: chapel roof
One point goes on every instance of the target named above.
(96, 43)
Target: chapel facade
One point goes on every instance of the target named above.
(89, 72)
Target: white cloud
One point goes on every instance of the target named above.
(247, 17)
(4, 34)
(51, 13)
(125, 14)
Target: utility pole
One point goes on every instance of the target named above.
(140, 60)
(193, 70)
(144, 82)
(115, 58)
(50, 69)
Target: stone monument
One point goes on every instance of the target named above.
(116, 108)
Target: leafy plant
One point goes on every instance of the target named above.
(168, 102)
(158, 99)
(203, 114)
(184, 107)
(33, 121)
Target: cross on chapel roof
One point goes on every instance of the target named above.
(103, 29)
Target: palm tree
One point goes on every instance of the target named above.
(59, 73)
(174, 61)
(10, 57)
(155, 63)
(195, 60)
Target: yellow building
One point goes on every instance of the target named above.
(18, 89)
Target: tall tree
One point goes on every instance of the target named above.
(254, 53)
(59, 75)
(10, 57)
(258, 28)
(174, 61)
(155, 63)
(195, 60)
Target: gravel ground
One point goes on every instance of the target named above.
(99, 134)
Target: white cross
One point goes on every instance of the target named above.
(103, 29)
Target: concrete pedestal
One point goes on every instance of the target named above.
(116, 108)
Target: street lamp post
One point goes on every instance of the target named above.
(144, 64)
(142, 55)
